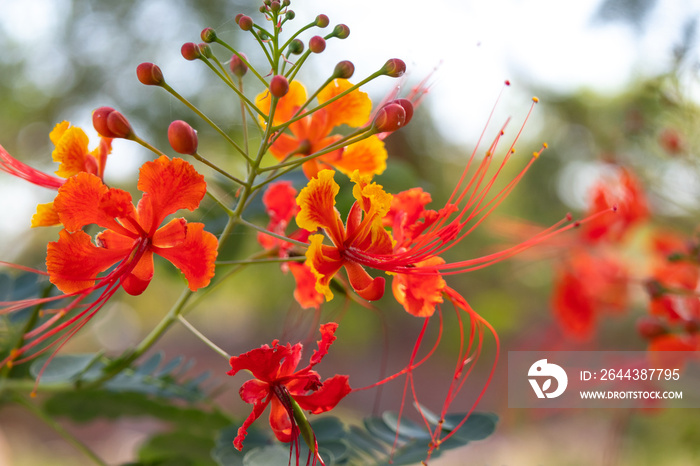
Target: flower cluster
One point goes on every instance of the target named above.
(333, 137)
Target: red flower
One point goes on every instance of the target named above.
(276, 380)
(626, 193)
(130, 240)
(132, 234)
(588, 285)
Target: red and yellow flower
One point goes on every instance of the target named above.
(277, 380)
(315, 132)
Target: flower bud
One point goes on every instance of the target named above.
(245, 23)
(394, 67)
(238, 17)
(286, 2)
(275, 6)
(290, 15)
(296, 47)
(190, 51)
(182, 138)
(344, 70)
(650, 327)
(238, 67)
(322, 21)
(389, 118)
(341, 31)
(208, 35)
(407, 106)
(109, 123)
(317, 44)
(205, 50)
(279, 86)
(149, 74)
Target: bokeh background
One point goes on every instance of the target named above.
(613, 78)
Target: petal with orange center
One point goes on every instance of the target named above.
(194, 256)
(45, 216)
(73, 262)
(78, 203)
(324, 262)
(287, 106)
(368, 157)
(353, 109)
(168, 186)
(317, 206)
(71, 152)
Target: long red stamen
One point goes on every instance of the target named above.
(21, 170)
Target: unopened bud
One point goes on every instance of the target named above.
(344, 70)
(208, 35)
(149, 74)
(279, 86)
(341, 31)
(394, 67)
(650, 327)
(238, 17)
(322, 21)
(296, 47)
(238, 67)
(286, 2)
(109, 123)
(275, 6)
(317, 44)
(190, 51)
(389, 118)
(290, 15)
(182, 137)
(245, 23)
(205, 50)
(407, 106)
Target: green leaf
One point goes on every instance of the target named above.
(177, 448)
(266, 456)
(62, 368)
(407, 428)
(478, 426)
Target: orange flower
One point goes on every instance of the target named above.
(132, 234)
(314, 132)
(363, 233)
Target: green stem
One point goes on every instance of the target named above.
(214, 167)
(275, 235)
(203, 338)
(60, 430)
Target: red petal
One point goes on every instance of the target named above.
(243, 430)
(327, 397)
(265, 363)
(140, 276)
(364, 285)
(194, 256)
(171, 234)
(280, 421)
(73, 262)
(168, 186)
(327, 339)
(254, 391)
(79, 203)
(305, 292)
